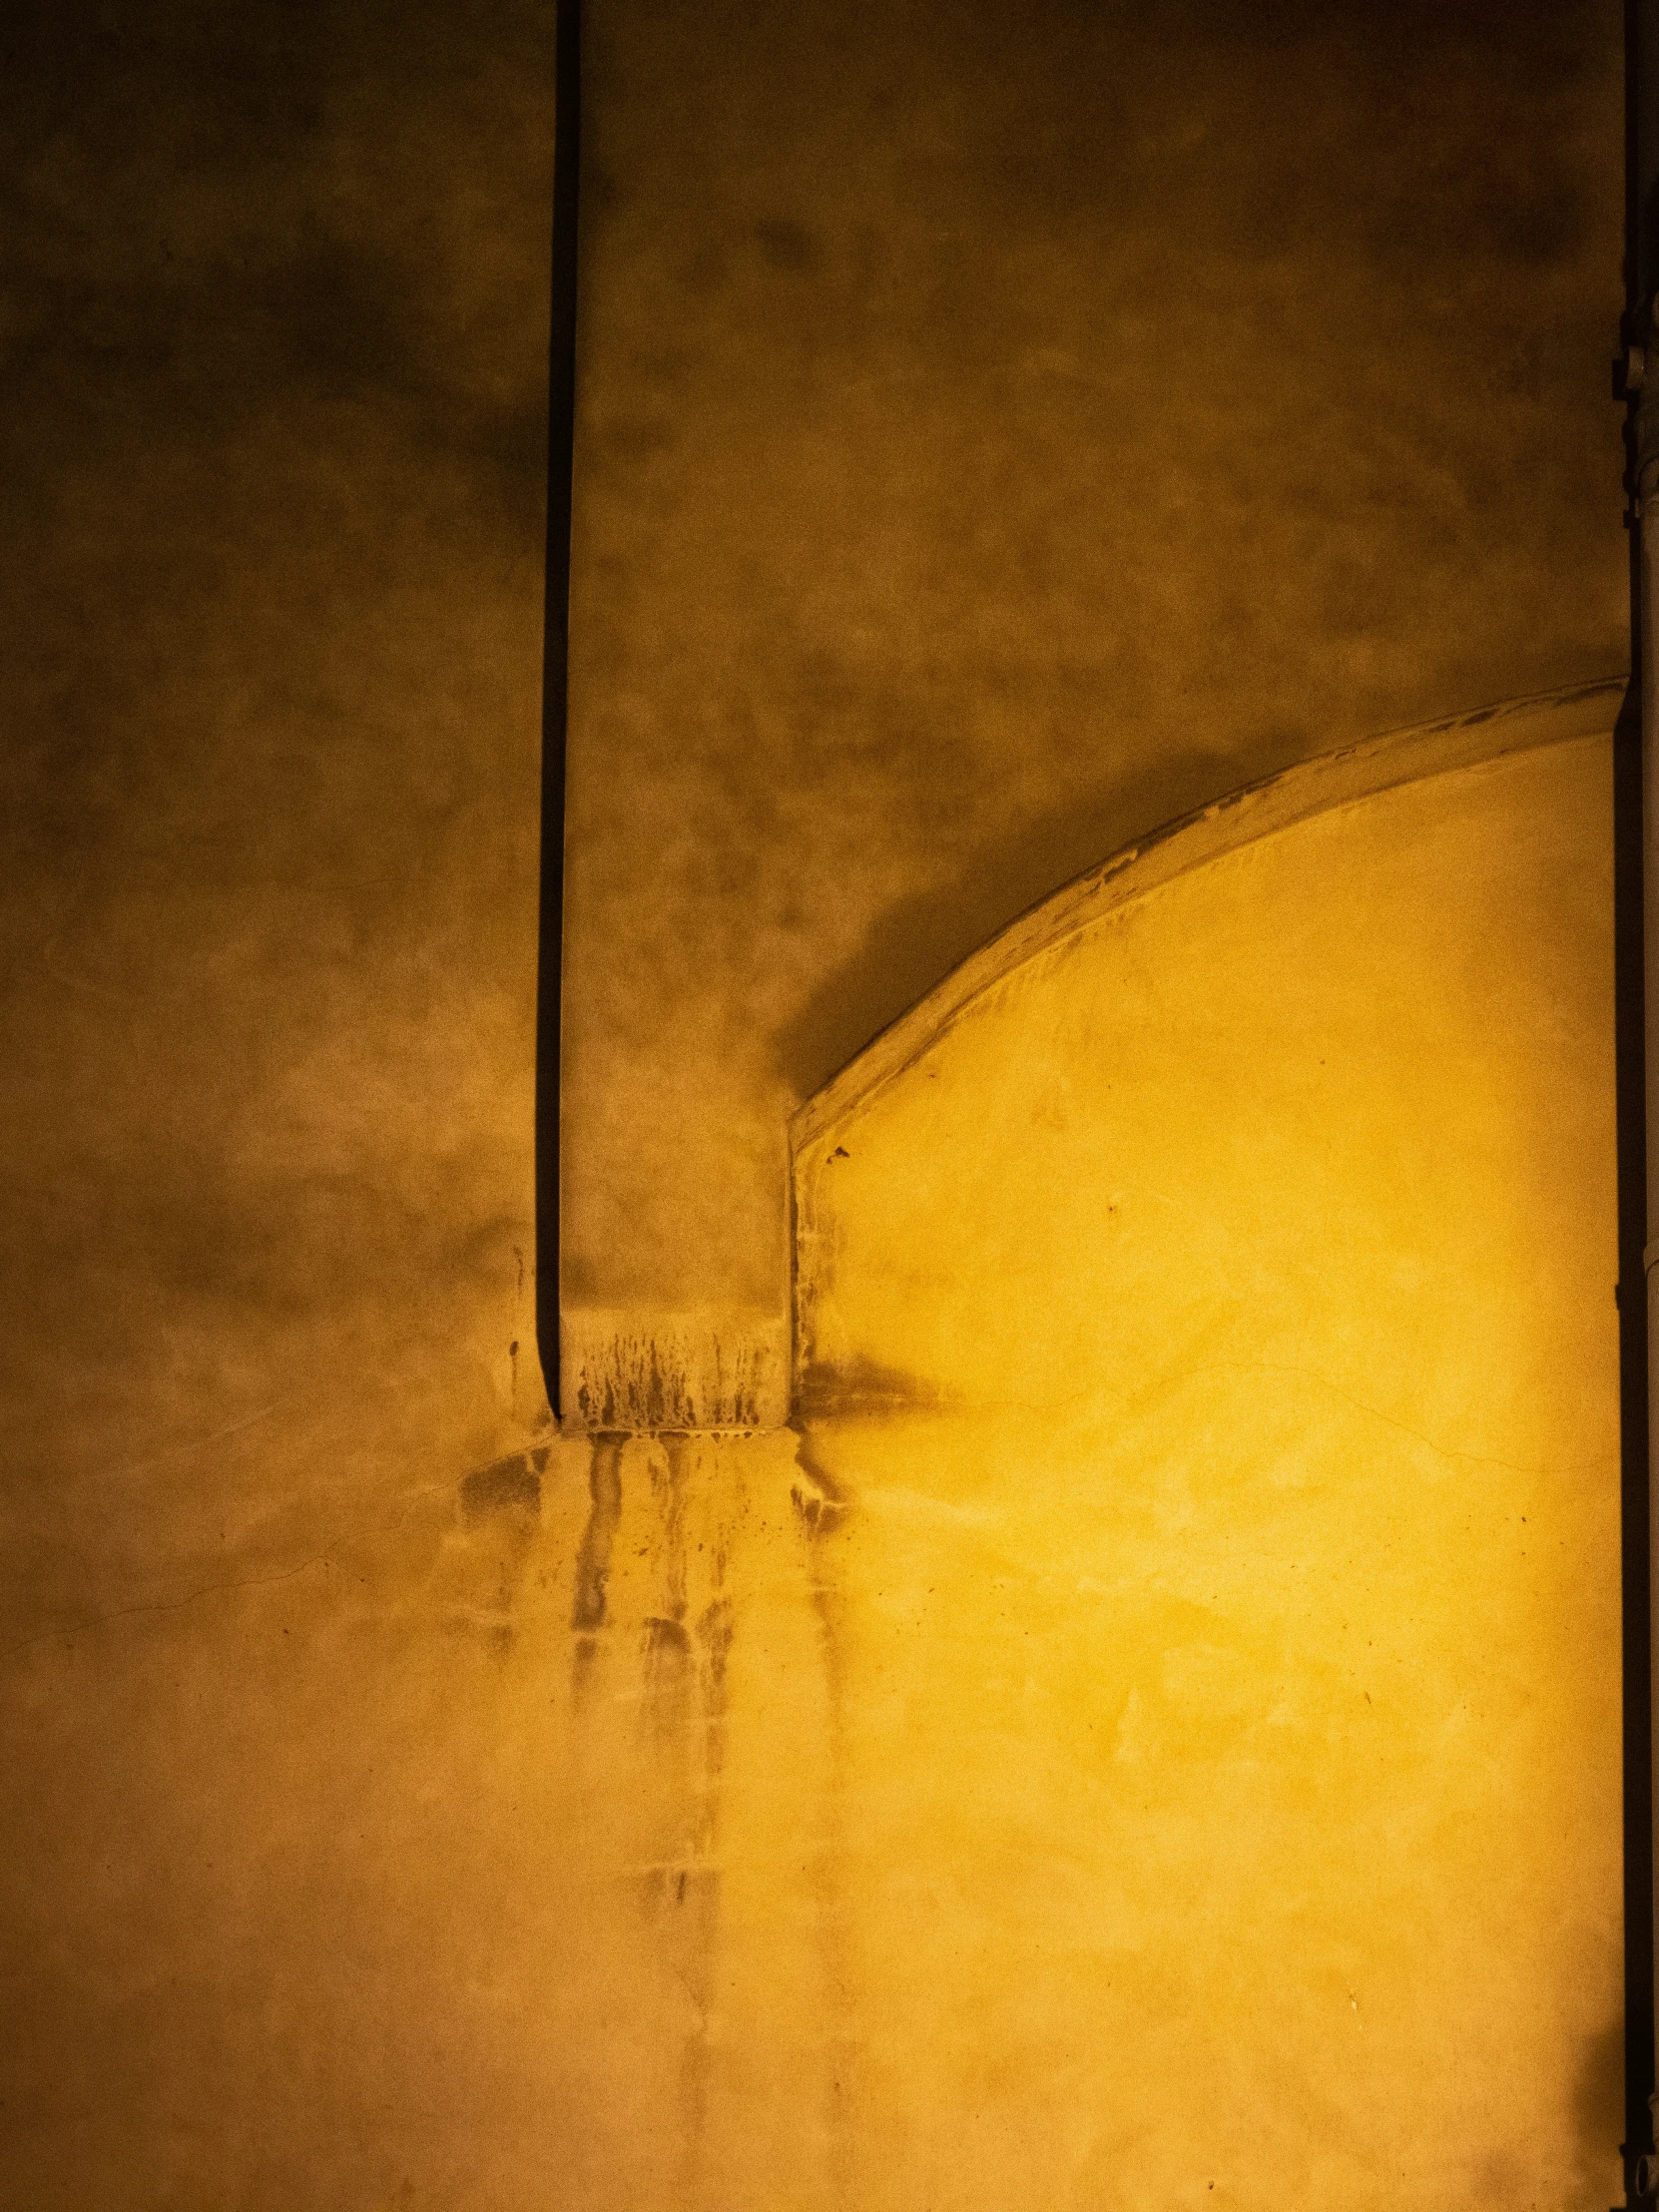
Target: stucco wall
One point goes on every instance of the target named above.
(924, 559)
(1209, 1370)
(1000, 431)
(1149, 1736)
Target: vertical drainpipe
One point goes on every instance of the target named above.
(1637, 804)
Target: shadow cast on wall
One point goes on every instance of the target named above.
(920, 938)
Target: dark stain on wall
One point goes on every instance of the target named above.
(593, 1560)
(862, 1389)
(506, 1486)
(668, 1658)
(696, 1504)
(822, 1503)
(653, 1385)
(1598, 2103)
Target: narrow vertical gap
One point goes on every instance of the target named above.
(1631, 1090)
(561, 442)
(1633, 1400)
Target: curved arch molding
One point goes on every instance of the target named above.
(1208, 1392)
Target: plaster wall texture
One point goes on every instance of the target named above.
(1209, 1376)
(998, 433)
(274, 349)
(290, 1901)
(274, 342)
(1150, 1734)
(400, 1878)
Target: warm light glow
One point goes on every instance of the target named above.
(1154, 1737)
(1221, 1309)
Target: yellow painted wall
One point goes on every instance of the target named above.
(1149, 1738)
(922, 555)
(1210, 1336)
(371, 1880)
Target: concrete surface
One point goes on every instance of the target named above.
(925, 560)
(1211, 1373)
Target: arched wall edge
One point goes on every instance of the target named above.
(1256, 811)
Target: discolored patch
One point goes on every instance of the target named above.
(509, 1484)
(1598, 2113)
(657, 1375)
(862, 1389)
(788, 246)
(593, 1562)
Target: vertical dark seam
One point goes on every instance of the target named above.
(561, 447)
(1641, 119)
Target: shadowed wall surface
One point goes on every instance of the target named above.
(276, 361)
(273, 337)
(999, 432)
(994, 440)
(1152, 1734)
